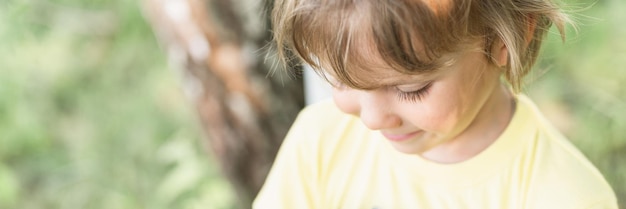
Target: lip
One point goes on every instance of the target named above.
(400, 137)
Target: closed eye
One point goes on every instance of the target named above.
(413, 96)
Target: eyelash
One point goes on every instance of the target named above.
(414, 96)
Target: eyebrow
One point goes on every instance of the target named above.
(377, 84)
(409, 81)
(383, 81)
(412, 79)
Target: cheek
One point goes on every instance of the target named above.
(441, 112)
(454, 108)
(437, 118)
(346, 101)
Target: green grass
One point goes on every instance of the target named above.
(91, 116)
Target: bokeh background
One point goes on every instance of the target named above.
(91, 116)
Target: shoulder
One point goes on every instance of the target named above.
(294, 179)
(329, 137)
(321, 129)
(321, 119)
(325, 110)
(565, 176)
(562, 174)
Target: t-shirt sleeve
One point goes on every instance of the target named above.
(291, 182)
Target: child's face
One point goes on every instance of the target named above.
(453, 103)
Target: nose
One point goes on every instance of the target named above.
(376, 112)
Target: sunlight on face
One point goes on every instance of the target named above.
(421, 113)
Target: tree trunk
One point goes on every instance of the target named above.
(218, 47)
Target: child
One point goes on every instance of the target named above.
(420, 117)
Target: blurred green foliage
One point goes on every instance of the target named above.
(91, 117)
(579, 86)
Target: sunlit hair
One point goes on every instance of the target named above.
(410, 36)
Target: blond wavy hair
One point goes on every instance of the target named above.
(411, 36)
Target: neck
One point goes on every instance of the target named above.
(490, 122)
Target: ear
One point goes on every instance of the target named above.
(499, 52)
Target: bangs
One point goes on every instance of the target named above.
(348, 39)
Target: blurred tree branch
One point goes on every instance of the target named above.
(218, 47)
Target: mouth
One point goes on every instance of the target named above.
(400, 137)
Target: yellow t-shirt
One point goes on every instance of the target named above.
(331, 160)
